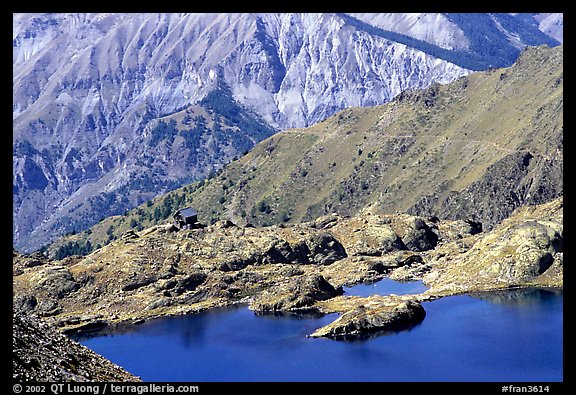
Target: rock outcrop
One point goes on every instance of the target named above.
(299, 294)
(41, 353)
(375, 317)
(526, 248)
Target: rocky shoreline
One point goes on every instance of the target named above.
(41, 353)
(292, 269)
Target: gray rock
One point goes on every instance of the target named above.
(394, 260)
(325, 221)
(159, 302)
(236, 263)
(325, 249)
(190, 282)
(139, 283)
(416, 235)
(24, 303)
(320, 249)
(282, 252)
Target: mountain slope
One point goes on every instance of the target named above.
(474, 149)
(90, 89)
(474, 41)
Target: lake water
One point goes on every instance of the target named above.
(510, 336)
(386, 286)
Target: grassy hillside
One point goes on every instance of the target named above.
(473, 149)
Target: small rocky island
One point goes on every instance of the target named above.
(291, 269)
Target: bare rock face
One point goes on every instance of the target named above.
(371, 318)
(528, 252)
(41, 353)
(324, 249)
(318, 248)
(376, 240)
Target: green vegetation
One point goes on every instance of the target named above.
(24, 148)
(497, 51)
(73, 248)
(163, 131)
(253, 129)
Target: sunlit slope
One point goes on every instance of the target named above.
(473, 149)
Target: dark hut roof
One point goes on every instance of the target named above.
(187, 212)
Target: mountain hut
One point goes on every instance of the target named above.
(185, 218)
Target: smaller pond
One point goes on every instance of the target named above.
(386, 286)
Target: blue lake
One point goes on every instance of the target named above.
(386, 286)
(509, 336)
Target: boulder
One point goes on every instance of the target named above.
(415, 234)
(280, 251)
(24, 303)
(394, 260)
(139, 283)
(527, 251)
(325, 221)
(236, 263)
(376, 239)
(224, 224)
(319, 248)
(129, 235)
(325, 249)
(189, 283)
(457, 229)
(522, 250)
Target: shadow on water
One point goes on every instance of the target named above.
(301, 314)
(191, 327)
(385, 286)
(519, 296)
(364, 337)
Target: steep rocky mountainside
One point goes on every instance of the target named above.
(474, 149)
(41, 353)
(281, 269)
(452, 31)
(89, 91)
